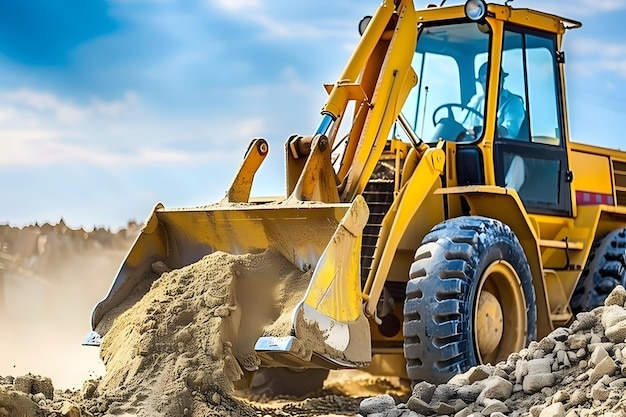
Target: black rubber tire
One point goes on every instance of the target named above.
(286, 382)
(443, 290)
(605, 270)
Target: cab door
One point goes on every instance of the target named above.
(530, 66)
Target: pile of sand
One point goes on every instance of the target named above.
(172, 352)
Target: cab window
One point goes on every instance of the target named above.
(534, 161)
(446, 60)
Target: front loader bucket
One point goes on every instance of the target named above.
(328, 327)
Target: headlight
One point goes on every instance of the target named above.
(475, 9)
(363, 24)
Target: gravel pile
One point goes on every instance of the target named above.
(578, 371)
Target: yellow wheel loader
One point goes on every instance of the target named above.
(443, 213)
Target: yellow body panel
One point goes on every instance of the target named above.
(592, 173)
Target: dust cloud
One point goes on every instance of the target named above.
(45, 310)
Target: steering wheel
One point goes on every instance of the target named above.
(449, 106)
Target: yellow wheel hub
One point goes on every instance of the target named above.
(500, 321)
(489, 323)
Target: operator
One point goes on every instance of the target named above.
(510, 109)
(510, 117)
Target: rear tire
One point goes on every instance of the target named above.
(469, 300)
(605, 270)
(286, 382)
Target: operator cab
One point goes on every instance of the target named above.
(480, 93)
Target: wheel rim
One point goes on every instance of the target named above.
(500, 322)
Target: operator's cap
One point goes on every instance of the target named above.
(482, 72)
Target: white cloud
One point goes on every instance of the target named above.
(576, 8)
(236, 6)
(595, 57)
(248, 128)
(287, 24)
(16, 103)
(41, 129)
(114, 107)
(603, 6)
(43, 102)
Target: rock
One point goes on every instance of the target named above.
(17, 403)
(23, 383)
(443, 393)
(419, 406)
(584, 376)
(595, 338)
(512, 359)
(617, 332)
(494, 406)
(69, 409)
(424, 391)
(598, 354)
(442, 408)
(39, 397)
(535, 410)
(547, 344)
(43, 385)
(495, 388)
(618, 383)
(534, 383)
(617, 352)
(160, 268)
(561, 396)
(89, 389)
(539, 375)
(560, 334)
(606, 367)
(553, 410)
(521, 370)
(377, 404)
(562, 358)
(600, 392)
(560, 345)
(501, 373)
(584, 321)
(458, 404)
(469, 393)
(617, 297)
(612, 315)
(572, 356)
(578, 397)
(31, 384)
(474, 374)
(539, 366)
(464, 412)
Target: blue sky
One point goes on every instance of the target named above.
(110, 106)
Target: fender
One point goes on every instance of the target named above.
(505, 205)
